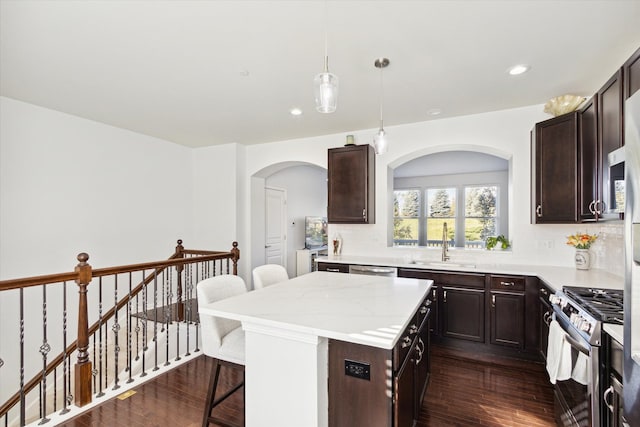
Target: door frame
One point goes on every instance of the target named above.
(283, 221)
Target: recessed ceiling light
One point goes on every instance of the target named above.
(434, 112)
(244, 73)
(519, 69)
(295, 111)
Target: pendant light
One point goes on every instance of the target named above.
(325, 84)
(380, 142)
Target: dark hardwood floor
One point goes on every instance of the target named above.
(462, 392)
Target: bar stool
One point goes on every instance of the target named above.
(268, 274)
(222, 339)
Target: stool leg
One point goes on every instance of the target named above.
(211, 394)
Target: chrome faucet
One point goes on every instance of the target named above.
(445, 244)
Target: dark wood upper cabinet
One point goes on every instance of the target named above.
(351, 181)
(588, 179)
(555, 170)
(610, 137)
(631, 73)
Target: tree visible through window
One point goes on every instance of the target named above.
(441, 208)
(406, 213)
(480, 214)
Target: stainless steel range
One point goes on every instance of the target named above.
(581, 313)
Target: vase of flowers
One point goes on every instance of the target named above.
(582, 242)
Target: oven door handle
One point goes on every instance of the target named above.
(576, 344)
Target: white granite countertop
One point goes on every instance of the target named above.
(615, 331)
(554, 277)
(369, 310)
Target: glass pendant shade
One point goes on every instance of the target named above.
(380, 142)
(326, 92)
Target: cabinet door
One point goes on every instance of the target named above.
(588, 158)
(423, 363)
(463, 313)
(351, 181)
(631, 73)
(555, 170)
(544, 320)
(404, 406)
(610, 129)
(507, 319)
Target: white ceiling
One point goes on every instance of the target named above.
(175, 69)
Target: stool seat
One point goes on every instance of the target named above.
(222, 339)
(269, 274)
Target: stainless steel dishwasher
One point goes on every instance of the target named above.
(373, 270)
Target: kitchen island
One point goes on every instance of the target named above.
(288, 327)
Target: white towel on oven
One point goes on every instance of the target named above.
(559, 364)
(580, 369)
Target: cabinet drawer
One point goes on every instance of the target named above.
(507, 283)
(333, 267)
(405, 342)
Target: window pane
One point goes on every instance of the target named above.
(434, 231)
(405, 231)
(441, 202)
(480, 214)
(406, 210)
(477, 229)
(406, 203)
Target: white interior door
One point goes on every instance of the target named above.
(275, 217)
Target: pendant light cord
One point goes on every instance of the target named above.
(381, 97)
(326, 36)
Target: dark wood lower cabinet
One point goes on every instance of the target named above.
(507, 319)
(392, 393)
(463, 313)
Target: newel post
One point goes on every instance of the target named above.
(83, 366)
(179, 269)
(236, 256)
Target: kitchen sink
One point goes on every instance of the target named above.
(443, 264)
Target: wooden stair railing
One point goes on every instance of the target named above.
(83, 274)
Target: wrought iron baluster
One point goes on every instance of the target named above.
(65, 355)
(102, 375)
(180, 312)
(129, 336)
(45, 348)
(168, 312)
(187, 316)
(137, 329)
(197, 317)
(155, 321)
(22, 397)
(116, 332)
(145, 324)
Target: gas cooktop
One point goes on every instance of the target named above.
(603, 304)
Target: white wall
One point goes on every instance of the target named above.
(504, 133)
(306, 196)
(70, 185)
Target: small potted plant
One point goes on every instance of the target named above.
(498, 242)
(582, 242)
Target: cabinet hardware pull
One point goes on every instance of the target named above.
(539, 210)
(406, 342)
(434, 294)
(493, 300)
(419, 359)
(507, 283)
(592, 208)
(333, 270)
(547, 318)
(598, 210)
(445, 296)
(364, 214)
(607, 393)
